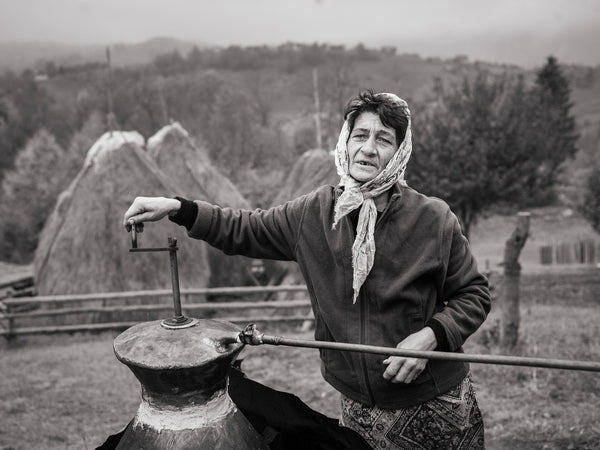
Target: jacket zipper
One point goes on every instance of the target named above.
(361, 331)
(362, 356)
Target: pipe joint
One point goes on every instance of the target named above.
(250, 335)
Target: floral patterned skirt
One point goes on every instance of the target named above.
(451, 421)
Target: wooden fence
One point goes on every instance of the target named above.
(120, 310)
(579, 252)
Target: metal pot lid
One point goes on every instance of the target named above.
(151, 345)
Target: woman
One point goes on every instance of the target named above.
(384, 265)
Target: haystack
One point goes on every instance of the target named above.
(313, 169)
(180, 159)
(83, 247)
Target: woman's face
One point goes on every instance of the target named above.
(371, 145)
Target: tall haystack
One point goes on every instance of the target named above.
(313, 169)
(180, 159)
(83, 247)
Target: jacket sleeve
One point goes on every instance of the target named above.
(465, 290)
(266, 234)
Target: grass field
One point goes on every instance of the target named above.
(70, 391)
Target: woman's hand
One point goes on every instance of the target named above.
(149, 209)
(403, 369)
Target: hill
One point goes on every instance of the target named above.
(18, 56)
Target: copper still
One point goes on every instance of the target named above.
(182, 365)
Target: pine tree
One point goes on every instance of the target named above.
(552, 127)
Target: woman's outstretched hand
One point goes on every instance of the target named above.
(149, 209)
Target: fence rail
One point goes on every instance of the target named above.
(238, 290)
(95, 312)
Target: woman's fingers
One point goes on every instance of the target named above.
(403, 370)
(148, 209)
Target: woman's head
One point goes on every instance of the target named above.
(377, 125)
(375, 142)
(387, 107)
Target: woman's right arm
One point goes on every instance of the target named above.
(267, 234)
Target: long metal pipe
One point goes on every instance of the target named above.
(253, 337)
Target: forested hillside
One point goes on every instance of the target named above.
(252, 109)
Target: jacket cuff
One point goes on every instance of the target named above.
(202, 225)
(440, 335)
(186, 215)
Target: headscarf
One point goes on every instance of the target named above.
(356, 194)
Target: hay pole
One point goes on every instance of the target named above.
(253, 337)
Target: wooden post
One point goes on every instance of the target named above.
(509, 331)
(111, 118)
(315, 74)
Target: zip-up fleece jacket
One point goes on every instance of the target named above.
(423, 273)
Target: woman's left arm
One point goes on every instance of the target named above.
(465, 289)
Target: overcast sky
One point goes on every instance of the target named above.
(515, 31)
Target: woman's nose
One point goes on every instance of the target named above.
(369, 147)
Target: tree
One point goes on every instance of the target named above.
(43, 169)
(453, 139)
(552, 127)
(491, 141)
(81, 142)
(24, 108)
(191, 99)
(337, 83)
(29, 192)
(591, 203)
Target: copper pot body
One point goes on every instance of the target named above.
(184, 377)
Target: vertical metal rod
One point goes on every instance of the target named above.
(111, 118)
(175, 278)
(134, 243)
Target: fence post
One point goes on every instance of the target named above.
(546, 254)
(509, 331)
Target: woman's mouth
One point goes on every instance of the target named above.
(365, 163)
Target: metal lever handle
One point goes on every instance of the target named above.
(178, 320)
(135, 229)
(133, 237)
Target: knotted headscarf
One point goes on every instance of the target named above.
(356, 194)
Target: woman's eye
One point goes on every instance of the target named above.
(384, 141)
